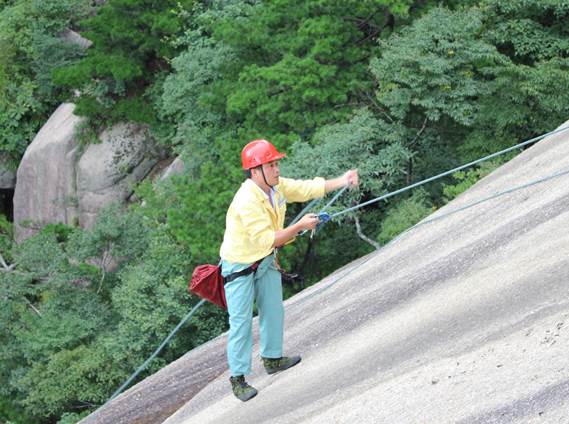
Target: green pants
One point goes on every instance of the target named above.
(266, 287)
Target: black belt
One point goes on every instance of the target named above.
(249, 270)
(235, 275)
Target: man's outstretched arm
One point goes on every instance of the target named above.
(350, 178)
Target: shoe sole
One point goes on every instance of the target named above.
(248, 398)
(283, 369)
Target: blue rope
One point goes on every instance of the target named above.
(333, 200)
(452, 171)
(194, 309)
(314, 202)
(494, 196)
(303, 211)
(399, 236)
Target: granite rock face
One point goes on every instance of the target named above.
(46, 175)
(61, 181)
(176, 168)
(107, 172)
(75, 38)
(463, 319)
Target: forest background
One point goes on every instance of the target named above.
(399, 89)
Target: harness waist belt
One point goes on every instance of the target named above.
(246, 271)
(249, 270)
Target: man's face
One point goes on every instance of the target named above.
(272, 172)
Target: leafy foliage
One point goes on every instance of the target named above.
(31, 46)
(528, 31)
(399, 89)
(444, 65)
(363, 142)
(6, 237)
(73, 339)
(276, 69)
(466, 179)
(405, 214)
(130, 46)
(431, 81)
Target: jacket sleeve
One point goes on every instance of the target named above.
(257, 225)
(302, 190)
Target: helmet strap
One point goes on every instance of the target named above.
(264, 177)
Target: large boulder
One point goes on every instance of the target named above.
(108, 171)
(61, 181)
(46, 175)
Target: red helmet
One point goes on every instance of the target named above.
(259, 152)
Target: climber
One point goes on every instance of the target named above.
(254, 229)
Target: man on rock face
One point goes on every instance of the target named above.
(254, 229)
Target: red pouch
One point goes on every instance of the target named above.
(207, 283)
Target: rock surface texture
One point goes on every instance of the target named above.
(60, 181)
(108, 172)
(462, 319)
(46, 175)
(75, 38)
(176, 168)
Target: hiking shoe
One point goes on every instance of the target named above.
(241, 389)
(273, 365)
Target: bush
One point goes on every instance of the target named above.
(404, 214)
(31, 46)
(131, 45)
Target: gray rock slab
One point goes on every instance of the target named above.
(75, 38)
(160, 395)
(108, 171)
(45, 189)
(463, 319)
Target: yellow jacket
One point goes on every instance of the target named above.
(252, 221)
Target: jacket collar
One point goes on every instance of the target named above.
(261, 195)
(252, 186)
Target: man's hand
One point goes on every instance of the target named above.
(309, 221)
(351, 178)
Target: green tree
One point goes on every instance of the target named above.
(431, 80)
(528, 31)
(188, 99)
(74, 331)
(404, 214)
(131, 46)
(31, 45)
(364, 142)
(49, 310)
(529, 98)
(275, 70)
(6, 239)
(463, 180)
